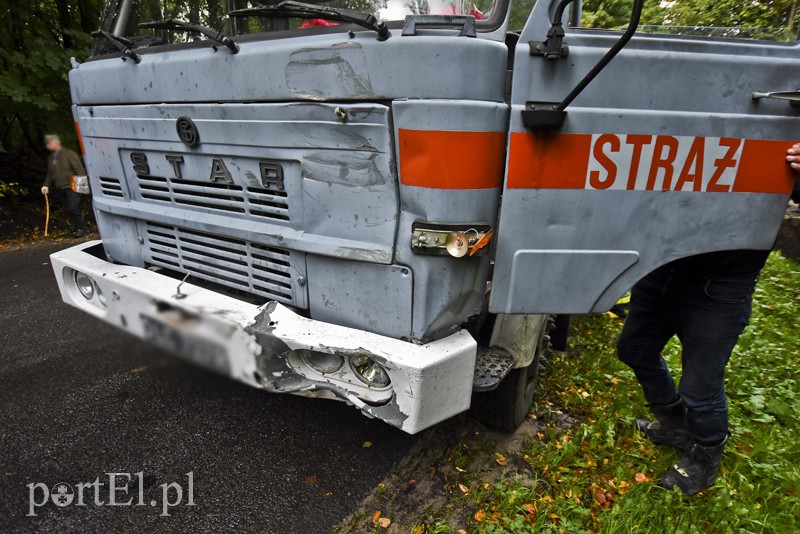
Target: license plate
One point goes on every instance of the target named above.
(193, 348)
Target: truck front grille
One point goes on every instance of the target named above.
(111, 187)
(227, 198)
(256, 269)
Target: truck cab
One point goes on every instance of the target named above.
(389, 203)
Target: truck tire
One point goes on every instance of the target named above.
(505, 407)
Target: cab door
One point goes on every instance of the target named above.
(665, 154)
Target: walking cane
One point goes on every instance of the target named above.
(47, 211)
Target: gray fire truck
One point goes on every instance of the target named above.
(387, 202)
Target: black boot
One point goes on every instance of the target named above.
(696, 471)
(669, 428)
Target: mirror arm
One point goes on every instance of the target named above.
(606, 59)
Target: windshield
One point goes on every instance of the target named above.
(122, 17)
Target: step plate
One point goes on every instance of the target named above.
(491, 367)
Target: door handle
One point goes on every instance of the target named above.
(793, 97)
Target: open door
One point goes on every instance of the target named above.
(667, 153)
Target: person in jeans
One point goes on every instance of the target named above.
(62, 164)
(706, 301)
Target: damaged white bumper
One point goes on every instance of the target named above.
(270, 346)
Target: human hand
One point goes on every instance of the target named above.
(46, 189)
(793, 156)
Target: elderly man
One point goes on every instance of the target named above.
(62, 164)
(705, 301)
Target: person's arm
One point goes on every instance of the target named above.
(76, 165)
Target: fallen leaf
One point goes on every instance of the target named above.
(640, 477)
(500, 459)
(462, 531)
(376, 516)
(479, 516)
(598, 495)
(312, 480)
(384, 522)
(463, 488)
(367, 444)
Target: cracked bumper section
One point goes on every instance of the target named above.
(267, 346)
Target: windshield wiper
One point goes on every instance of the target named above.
(300, 10)
(210, 33)
(123, 45)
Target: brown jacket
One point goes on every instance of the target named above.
(62, 165)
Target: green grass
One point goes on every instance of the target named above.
(593, 472)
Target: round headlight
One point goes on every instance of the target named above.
(369, 371)
(84, 284)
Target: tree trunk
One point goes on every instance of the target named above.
(65, 21)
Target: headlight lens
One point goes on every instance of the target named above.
(84, 284)
(100, 296)
(369, 371)
(323, 362)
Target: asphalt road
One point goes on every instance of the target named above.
(79, 399)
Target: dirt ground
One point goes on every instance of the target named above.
(420, 488)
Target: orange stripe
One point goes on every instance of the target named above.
(80, 138)
(451, 160)
(763, 168)
(553, 161)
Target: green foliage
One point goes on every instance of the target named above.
(765, 19)
(12, 189)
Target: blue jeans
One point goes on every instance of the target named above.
(707, 314)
